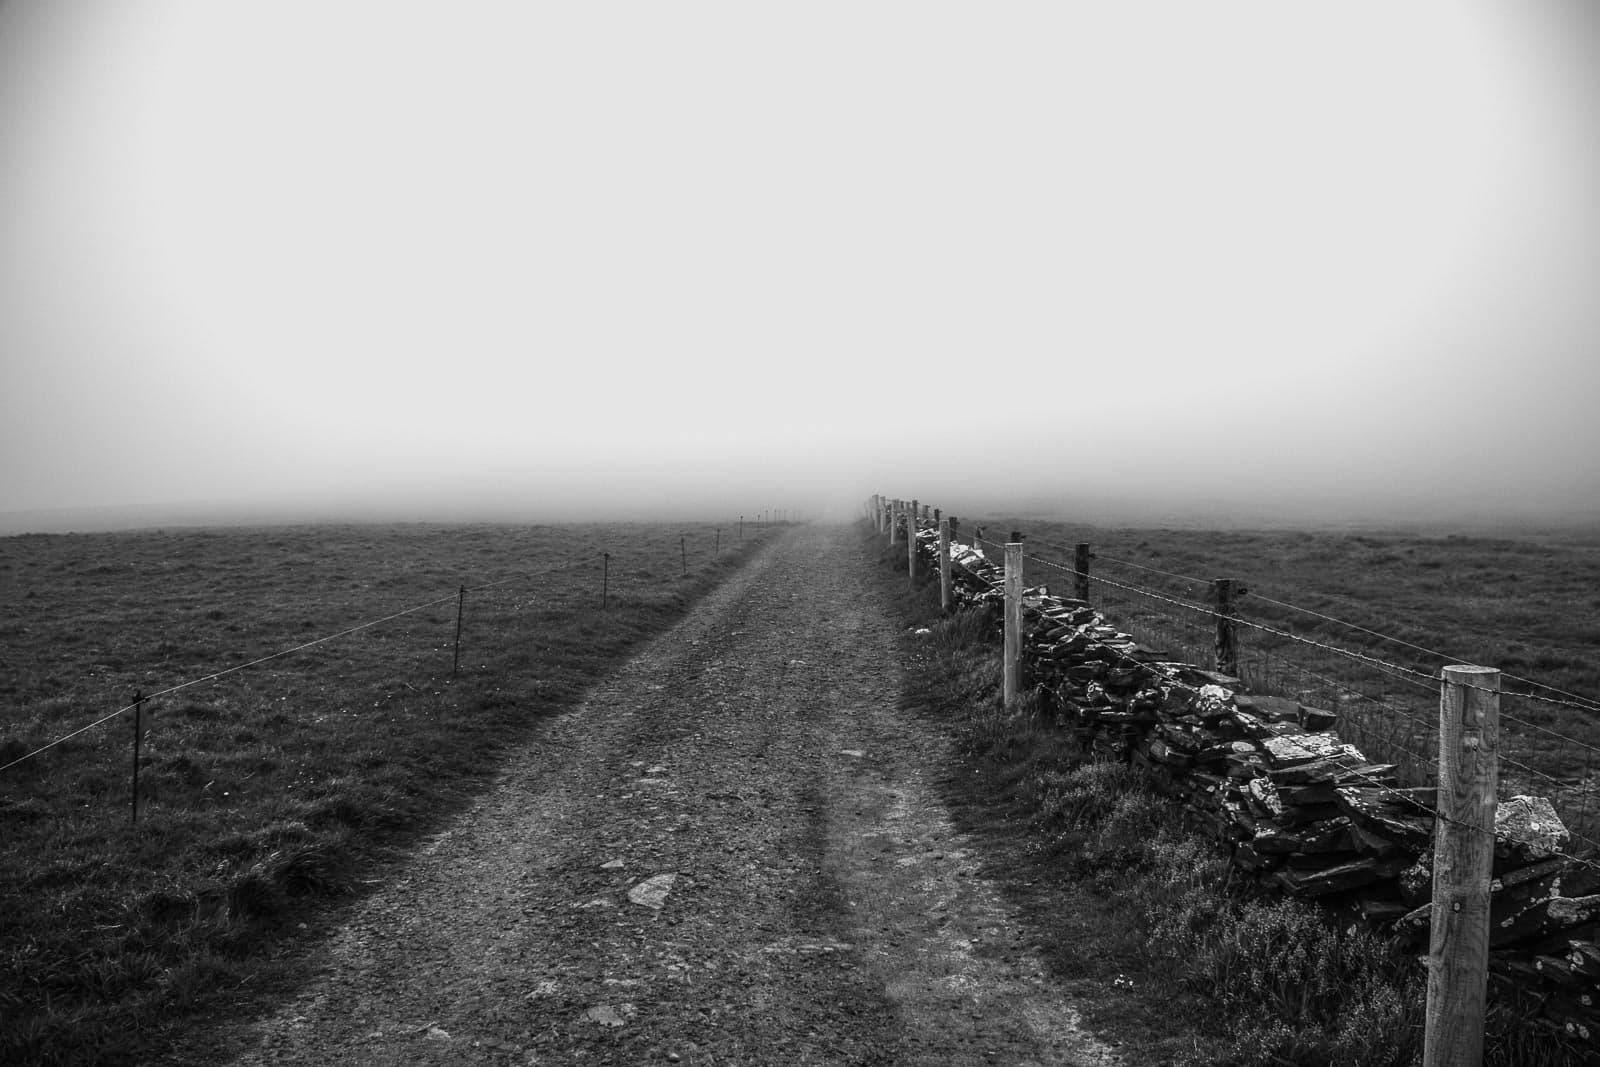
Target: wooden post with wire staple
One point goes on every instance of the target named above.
(1080, 571)
(461, 601)
(944, 566)
(1223, 591)
(1463, 855)
(894, 524)
(1013, 623)
(138, 730)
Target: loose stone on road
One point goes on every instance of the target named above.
(732, 852)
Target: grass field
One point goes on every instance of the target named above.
(1145, 922)
(1528, 605)
(282, 785)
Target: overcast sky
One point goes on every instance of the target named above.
(748, 253)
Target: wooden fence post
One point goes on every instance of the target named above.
(944, 566)
(911, 544)
(1463, 854)
(1227, 661)
(1080, 571)
(894, 524)
(1013, 625)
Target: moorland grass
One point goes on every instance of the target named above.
(277, 789)
(1205, 967)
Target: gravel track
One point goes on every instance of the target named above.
(752, 765)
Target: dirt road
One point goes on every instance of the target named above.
(733, 853)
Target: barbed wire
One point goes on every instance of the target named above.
(1381, 702)
(1407, 674)
(1575, 701)
(230, 670)
(1589, 705)
(214, 676)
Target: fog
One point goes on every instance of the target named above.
(507, 260)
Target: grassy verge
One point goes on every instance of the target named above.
(273, 793)
(1143, 923)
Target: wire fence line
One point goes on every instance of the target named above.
(592, 560)
(1549, 754)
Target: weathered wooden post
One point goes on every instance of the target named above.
(944, 566)
(1227, 659)
(894, 524)
(911, 544)
(1463, 853)
(1080, 571)
(1013, 624)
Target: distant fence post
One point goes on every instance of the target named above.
(1227, 661)
(1463, 854)
(138, 729)
(944, 566)
(1080, 571)
(1013, 623)
(461, 602)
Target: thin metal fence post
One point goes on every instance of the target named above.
(1463, 856)
(138, 730)
(461, 601)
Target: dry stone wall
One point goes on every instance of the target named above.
(1300, 810)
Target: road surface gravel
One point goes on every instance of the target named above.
(733, 852)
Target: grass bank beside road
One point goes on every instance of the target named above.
(1141, 920)
(276, 788)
